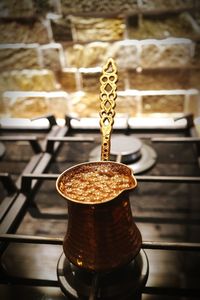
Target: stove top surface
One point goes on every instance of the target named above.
(165, 207)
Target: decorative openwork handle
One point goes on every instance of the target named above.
(108, 96)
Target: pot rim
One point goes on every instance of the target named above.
(91, 163)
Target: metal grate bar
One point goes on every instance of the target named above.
(8, 183)
(167, 220)
(172, 291)
(30, 239)
(176, 140)
(50, 118)
(26, 183)
(51, 140)
(142, 178)
(183, 140)
(43, 176)
(171, 246)
(18, 238)
(170, 179)
(6, 204)
(33, 140)
(14, 214)
(29, 281)
(70, 139)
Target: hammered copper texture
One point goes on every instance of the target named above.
(101, 237)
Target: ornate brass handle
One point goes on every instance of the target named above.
(108, 96)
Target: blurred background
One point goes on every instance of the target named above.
(52, 53)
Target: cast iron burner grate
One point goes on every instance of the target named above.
(167, 211)
(131, 151)
(119, 284)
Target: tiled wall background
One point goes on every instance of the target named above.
(52, 52)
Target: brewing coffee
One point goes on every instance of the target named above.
(95, 182)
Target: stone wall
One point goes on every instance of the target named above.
(60, 46)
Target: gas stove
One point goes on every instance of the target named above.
(164, 155)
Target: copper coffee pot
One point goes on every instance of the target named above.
(101, 235)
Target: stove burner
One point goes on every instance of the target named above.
(129, 150)
(125, 149)
(119, 284)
